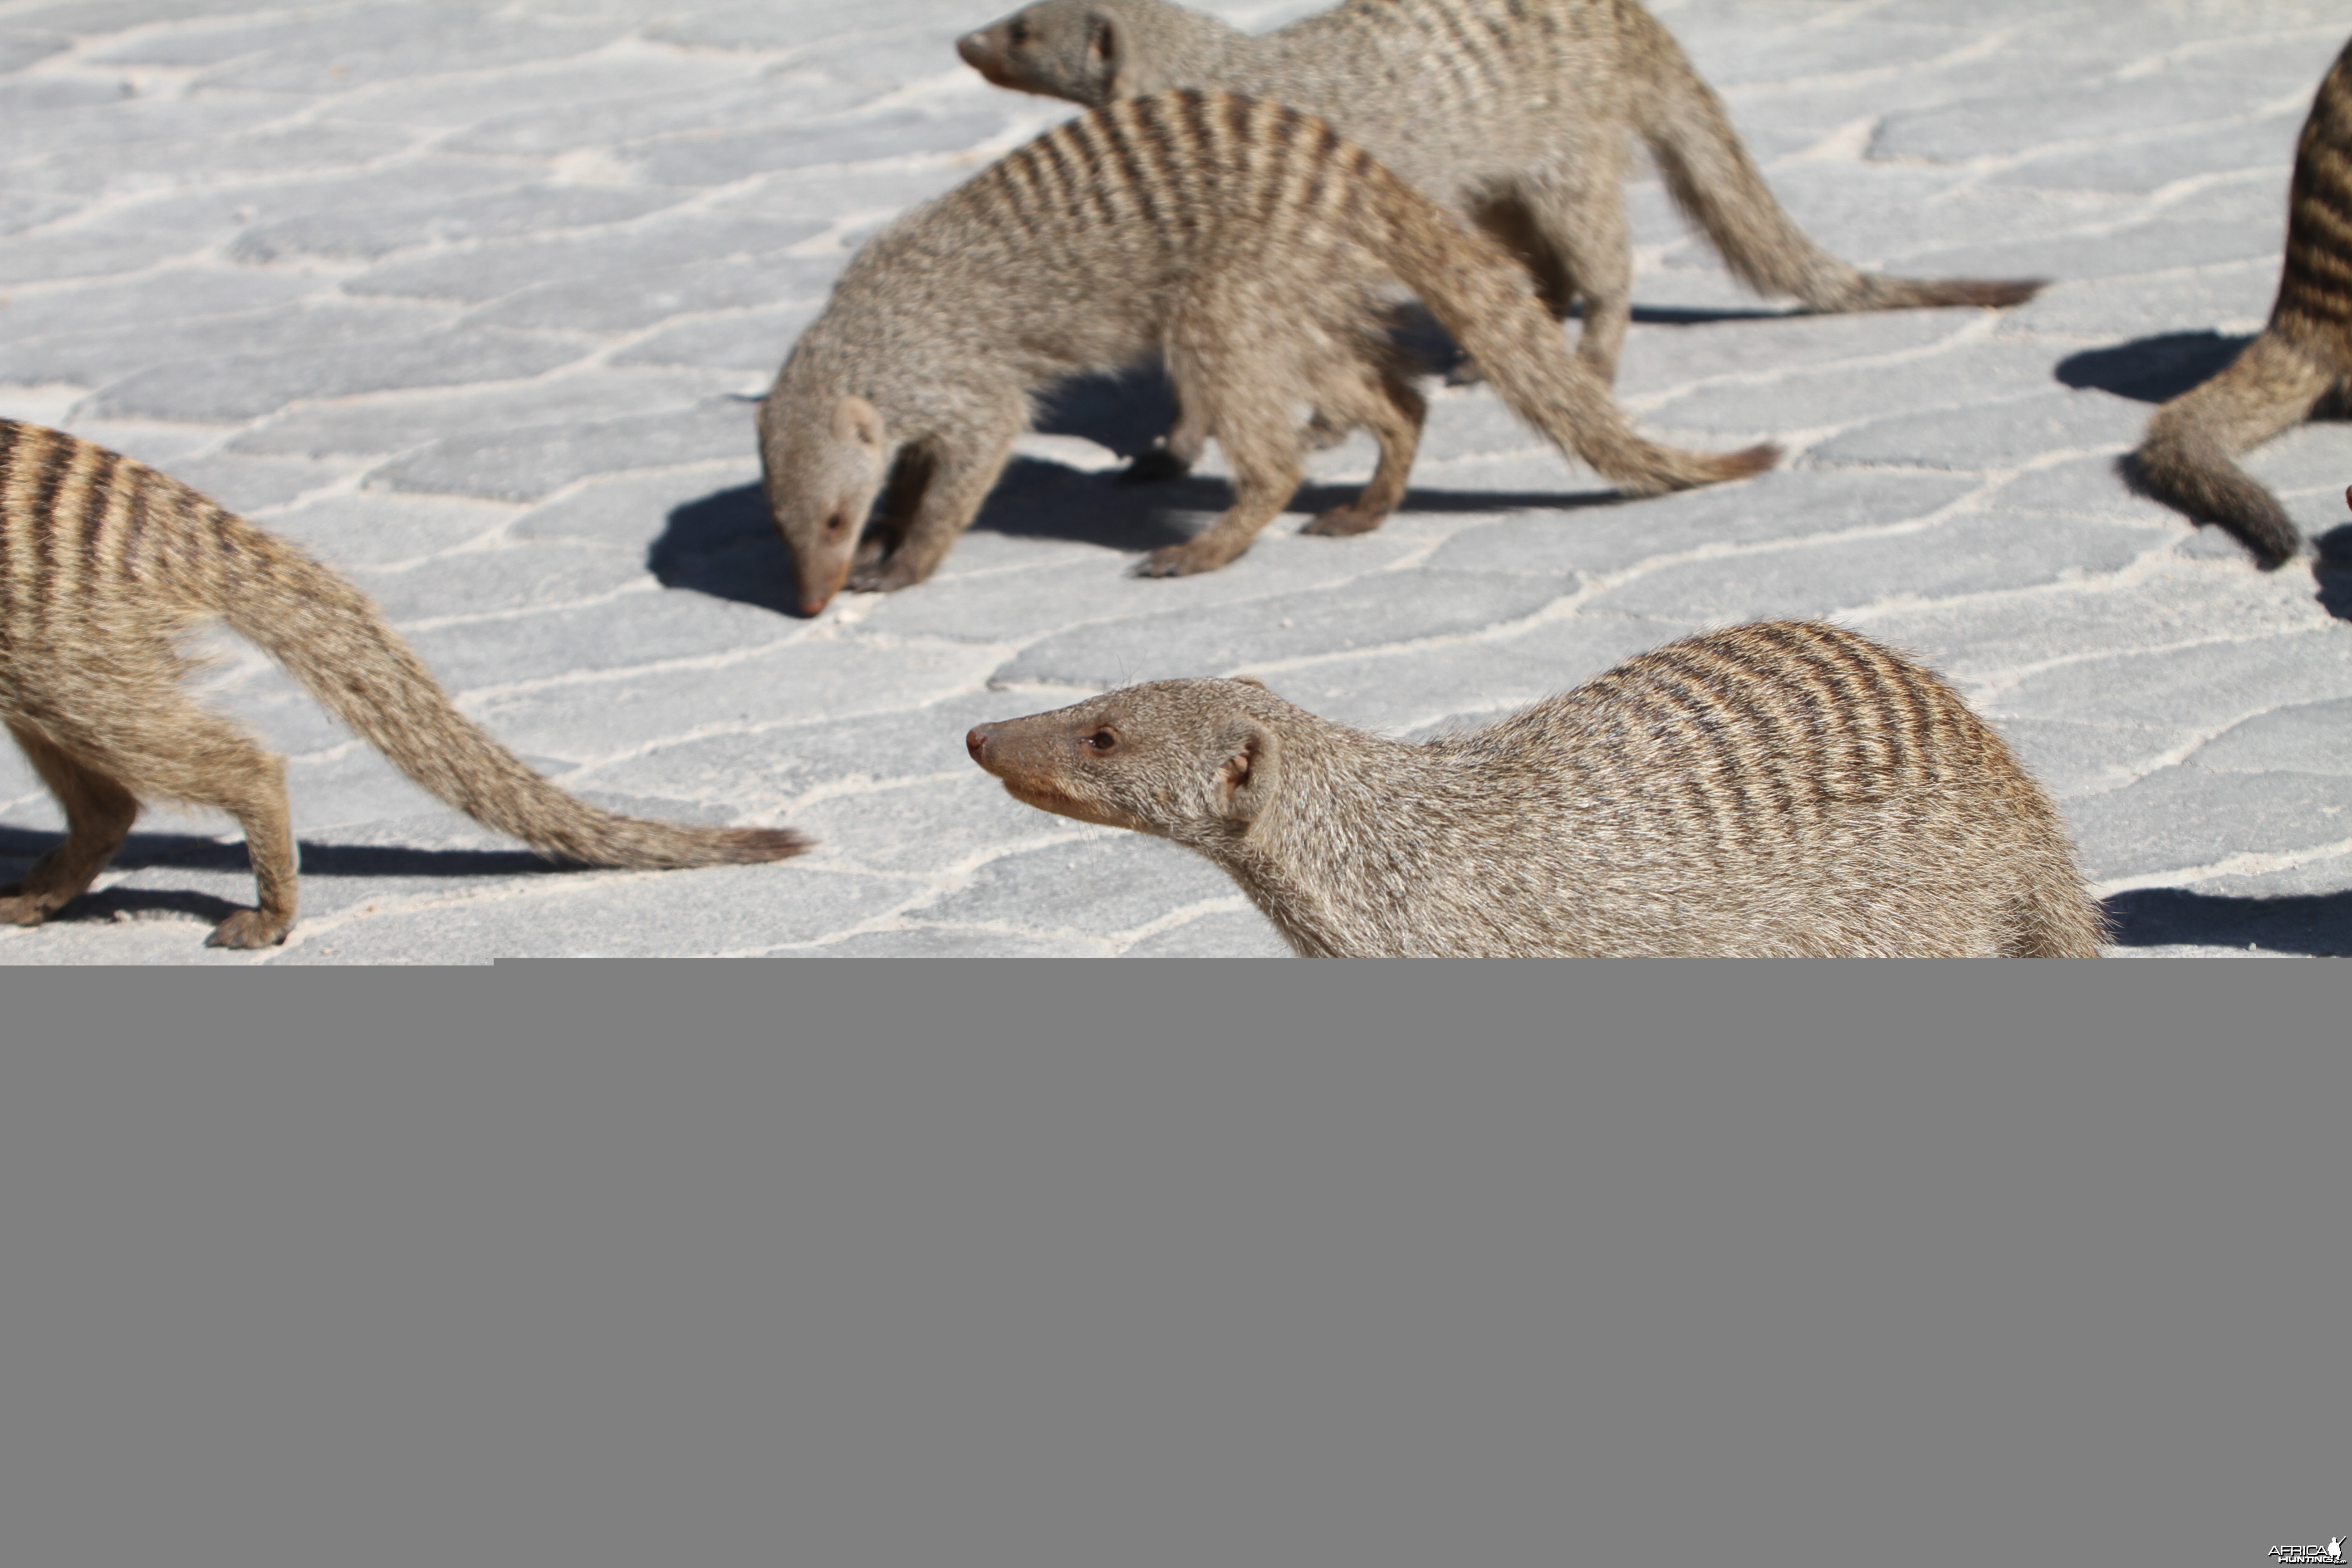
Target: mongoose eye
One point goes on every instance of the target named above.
(1102, 742)
(834, 525)
(1019, 35)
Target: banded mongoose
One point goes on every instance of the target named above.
(1777, 790)
(1240, 240)
(105, 564)
(1514, 110)
(2301, 357)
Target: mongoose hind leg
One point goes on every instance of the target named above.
(1506, 218)
(1387, 404)
(174, 748)
(1579, 207)
(99, 814)
(1261, 438)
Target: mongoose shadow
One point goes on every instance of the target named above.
(2152, 370)
(2332, 569)
(19, 847)
(725, 543)
(2315, 923)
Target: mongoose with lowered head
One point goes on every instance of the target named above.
(2301, 357)
(1514, 110)
(105, 563)
(1777, 790)
(1240, 240)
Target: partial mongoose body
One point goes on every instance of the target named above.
(1516, 111)
(2301, 356)
(106, 564)
(1242, 241)
(1776, 790)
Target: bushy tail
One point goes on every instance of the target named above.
(336, 644)
(2059, 918)
(1708, 173)
(2185, 459)
(1482, 298)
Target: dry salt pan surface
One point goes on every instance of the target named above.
(472, 301)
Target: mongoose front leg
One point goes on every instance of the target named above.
(1267, 471)
(99, 814)
(960, 478)
(270, 844)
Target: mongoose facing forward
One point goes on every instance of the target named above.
(1242, 241)
(1514, 110)
(106, 564)
(1777, 790)
(2306, 351)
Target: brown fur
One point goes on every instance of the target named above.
(105, 564)
(1239, 239)
(1514, 110)
(2304, 354)
(1777, 790)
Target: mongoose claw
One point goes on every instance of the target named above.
(885, 576)
(1154, 468)
(1181, 561)
(1342, 520)
(249, 927)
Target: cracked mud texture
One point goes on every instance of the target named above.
(474, 301)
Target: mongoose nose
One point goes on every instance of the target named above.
(970, 46)
(976, 742)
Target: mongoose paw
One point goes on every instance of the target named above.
(1342, 520)
(1182, 560)
(1466, 373)
(250, 928)
(17, 909)
(1154, 467)
(883, 577)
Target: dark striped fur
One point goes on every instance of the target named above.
(2304, 355)
(1243, 242)
(106, 565)
(1782, 789)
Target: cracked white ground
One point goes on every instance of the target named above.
(473, 311)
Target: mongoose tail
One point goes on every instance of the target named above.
(2187, 459)
(1775, 790)
(1480, 296)
(1717, 185)
(334, 641)
(2304, 352)
(105, 562)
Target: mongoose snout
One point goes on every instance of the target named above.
(1779, 789)
(1044, 763)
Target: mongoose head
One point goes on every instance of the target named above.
(822, 467)
(1094, 51)
(1061, 48)
(1194, 761)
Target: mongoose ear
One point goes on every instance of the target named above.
(854, 419)
(1245, 779)
(1102, 54)
(1249, 680)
